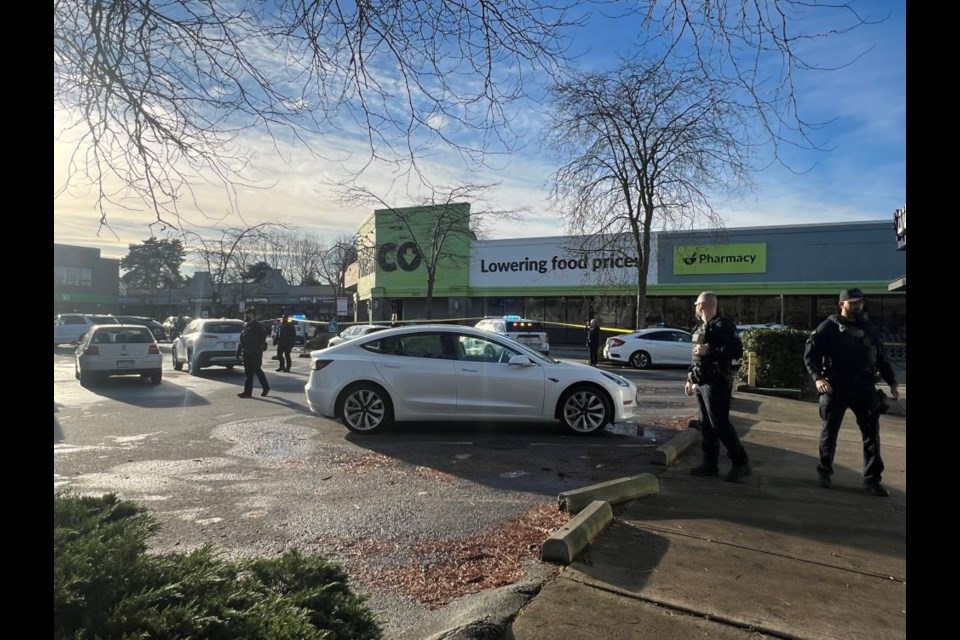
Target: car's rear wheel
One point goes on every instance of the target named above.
(640, 360)
(177, 365)
(230, 367)
(156, 376)
(365, 407)
(194, 365)
(585, 410)
(86, 379)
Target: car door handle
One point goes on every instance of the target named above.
(392, 366)
(469, 370)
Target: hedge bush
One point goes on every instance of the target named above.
(105, 585)
(779, 357)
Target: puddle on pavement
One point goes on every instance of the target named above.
(653, 435)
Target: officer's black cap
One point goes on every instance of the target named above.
(851, 295)
(249, 310)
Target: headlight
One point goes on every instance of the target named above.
(619, 380)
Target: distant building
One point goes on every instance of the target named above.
(83, 281)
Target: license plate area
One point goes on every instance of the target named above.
(229, 345)
(124, 364)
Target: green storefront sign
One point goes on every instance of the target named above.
(720, 258)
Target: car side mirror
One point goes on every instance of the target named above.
(521, 360)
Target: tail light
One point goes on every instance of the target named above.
(92, 350)
(153, 350)
(616, 342)
(320, 364)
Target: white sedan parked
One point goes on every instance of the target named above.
(647, 347)
(355, 331)
(444, 372)
(118, 349)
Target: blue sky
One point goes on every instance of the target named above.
(861, 177)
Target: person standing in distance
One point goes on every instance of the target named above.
(286, 338)
(593, 340)
(253, 342)
(843, 355)
(715, 347)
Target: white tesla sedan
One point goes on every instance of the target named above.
(445, 372)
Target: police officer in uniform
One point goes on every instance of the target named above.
(253, 342)
(844, 355)
(715, 346)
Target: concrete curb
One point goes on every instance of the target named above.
(565, 543)
(613, 491)
(667, 453)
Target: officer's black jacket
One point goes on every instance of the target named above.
(253, 338)
(721, 334)
(843, 349)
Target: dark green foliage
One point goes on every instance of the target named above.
(780, 358)
(154, 264)
(106, 586)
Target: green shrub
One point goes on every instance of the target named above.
(105, 585)
(779, 357)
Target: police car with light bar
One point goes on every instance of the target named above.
(527, 332)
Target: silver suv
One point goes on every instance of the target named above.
(68, 328)
(207, 342)
(529, 333)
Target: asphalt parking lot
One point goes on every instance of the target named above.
(263, 475)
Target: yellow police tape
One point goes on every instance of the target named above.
(346, 323)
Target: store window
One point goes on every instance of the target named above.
(72, 276)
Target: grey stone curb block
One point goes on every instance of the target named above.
(667, 453)
(565, 543)
(613, 491)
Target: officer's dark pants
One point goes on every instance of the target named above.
(861, 398)
(253, 365)
(715, 427)
(283, 355)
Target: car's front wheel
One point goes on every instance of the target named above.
(640, 360)
(365, 407)
(584, 410)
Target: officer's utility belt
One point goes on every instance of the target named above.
(709, 373)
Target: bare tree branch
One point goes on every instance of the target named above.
(160, 92)
(643, 148)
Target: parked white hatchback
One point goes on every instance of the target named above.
(451, 373)
(118, 350)
(207, 342)
(647, 347)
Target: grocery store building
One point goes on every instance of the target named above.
(790, 274)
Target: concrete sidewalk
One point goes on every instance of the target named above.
(775, 555)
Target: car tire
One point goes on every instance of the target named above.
(585, 410)
(230, 367)
(640, 360)
(156, 376)
(194, 367)
(177, 365)
(365, 407)
(86, 379)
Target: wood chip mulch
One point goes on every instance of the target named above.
(437, 571)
